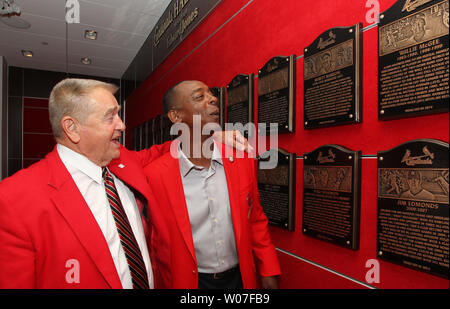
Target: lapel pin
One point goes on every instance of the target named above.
(231, 159)
(121, 165)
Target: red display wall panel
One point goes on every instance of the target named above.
(298, 274)
(37, 132)
(36, 120)
(239, 37)
(36, 146)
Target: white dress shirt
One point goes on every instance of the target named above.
(88, 178)
(208, 204)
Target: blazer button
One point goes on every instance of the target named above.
(193, 272)
(231, 159)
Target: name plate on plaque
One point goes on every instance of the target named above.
(333, 78)
(331, 195)
(277, 188)
(413, 60)
(276, 94)
(413, 216)
(240, 100)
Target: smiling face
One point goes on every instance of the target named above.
(195, 98)
(100, 133)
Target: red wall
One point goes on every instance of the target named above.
(240, 36)
(38, 138)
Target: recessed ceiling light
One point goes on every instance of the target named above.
(85, 60)
(90, 34)
(27, 53)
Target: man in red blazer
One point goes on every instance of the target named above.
(218, 231)
(57, 227)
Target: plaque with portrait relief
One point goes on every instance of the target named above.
(333, 78)
(331, 195)
(413, 60)
(413, 215)
(276, 94)
(276, 186)
(240, 100)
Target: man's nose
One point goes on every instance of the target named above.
(121, 126)
(213, 99)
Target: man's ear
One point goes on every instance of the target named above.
(71, 129)
(174, 116)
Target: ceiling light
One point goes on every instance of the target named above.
(8, 8)
(90, 34)
(27, 53)
(85, 60)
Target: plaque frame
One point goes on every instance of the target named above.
(238, 81)
(352, 160)
(290, 158)
(402, 10)
(414, 155)
(274, 64)
(326, 42)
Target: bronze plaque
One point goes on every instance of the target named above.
(240, 100)
(413, 68)
(331, 195)
(219, 93)
(412, 220)
(276, 94)
(333, 78)
(277, 188)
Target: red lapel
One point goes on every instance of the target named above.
(177, 200)
(233, 177)
(76, 212)
(131, 174)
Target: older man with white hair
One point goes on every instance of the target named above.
(82, 217)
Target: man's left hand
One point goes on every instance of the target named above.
(233, 139)
(269, 282)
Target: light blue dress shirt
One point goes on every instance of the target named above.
(208, 205)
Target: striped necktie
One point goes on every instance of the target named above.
(130, 246)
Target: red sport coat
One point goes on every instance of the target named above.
(257, 255)
(47, 231)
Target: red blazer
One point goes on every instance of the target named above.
(45, 223)
(257, 255)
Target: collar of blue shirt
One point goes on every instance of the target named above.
(186, 165)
